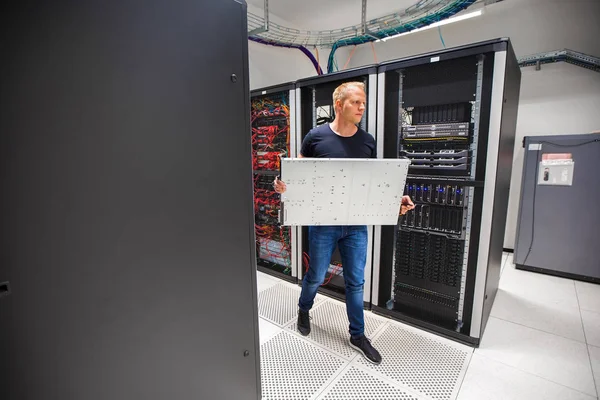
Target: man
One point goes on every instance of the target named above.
(340, 139)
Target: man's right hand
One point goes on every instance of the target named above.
(279, 186)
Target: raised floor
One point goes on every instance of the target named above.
(542, 342)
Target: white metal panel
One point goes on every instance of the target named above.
(380, 114)
(372, 129)
(293, 153)
(376, 265)
(336, 191)
(372, 106)
(297, 138)
(368, 266)
(379, 142)
(293, 128)
(488, 192)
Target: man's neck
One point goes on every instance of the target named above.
(343, 128)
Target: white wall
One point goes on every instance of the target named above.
(559, 99)
(271, 65)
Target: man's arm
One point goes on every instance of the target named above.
(279, 185)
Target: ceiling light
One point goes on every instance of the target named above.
(436, 24)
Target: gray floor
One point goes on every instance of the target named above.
(542, 342)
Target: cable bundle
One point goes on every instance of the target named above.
(270, 160)
(270, 142)
(275, 106)
(270, 138)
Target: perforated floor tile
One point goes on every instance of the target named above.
(424, 364)
(356, 383)
(279, 304)
(329, 327)
(292, 368)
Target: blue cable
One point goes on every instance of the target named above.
(441, 37)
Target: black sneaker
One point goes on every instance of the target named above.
(303, 322)
(363, 345)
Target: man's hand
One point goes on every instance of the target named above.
(406, 205)
(279, 186)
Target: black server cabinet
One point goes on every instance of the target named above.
(315, 107)
(273, 119)
(127, 226)
(453, 114)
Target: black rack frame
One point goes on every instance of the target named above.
(495, 131)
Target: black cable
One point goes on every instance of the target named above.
(537, 164)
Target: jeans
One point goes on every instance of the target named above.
(352, 243)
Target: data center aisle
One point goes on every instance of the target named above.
(542, 342)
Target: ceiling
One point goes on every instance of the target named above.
(329, 14)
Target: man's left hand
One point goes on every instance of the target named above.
(406, 205)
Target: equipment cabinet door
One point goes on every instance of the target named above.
(126, 202)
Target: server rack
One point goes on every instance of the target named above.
(453, 113)
(273, 119)
(315, 107)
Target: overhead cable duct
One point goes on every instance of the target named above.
(421, 14)
(565, 55)
(450, 9)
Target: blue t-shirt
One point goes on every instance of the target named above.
(322, 142)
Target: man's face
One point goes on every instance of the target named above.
(353, 106)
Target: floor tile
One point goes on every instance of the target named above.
(551, 290)
(329, 327)
(265, 281)
(279, 303)
(428, 365)
(267, 330)
(589, 296)
(357, 383)
(504, 259)
(595, 360)
(591, 324)
(552, 357)
(548, 317)
(510, 261)
(294, 369)
(487, 379)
